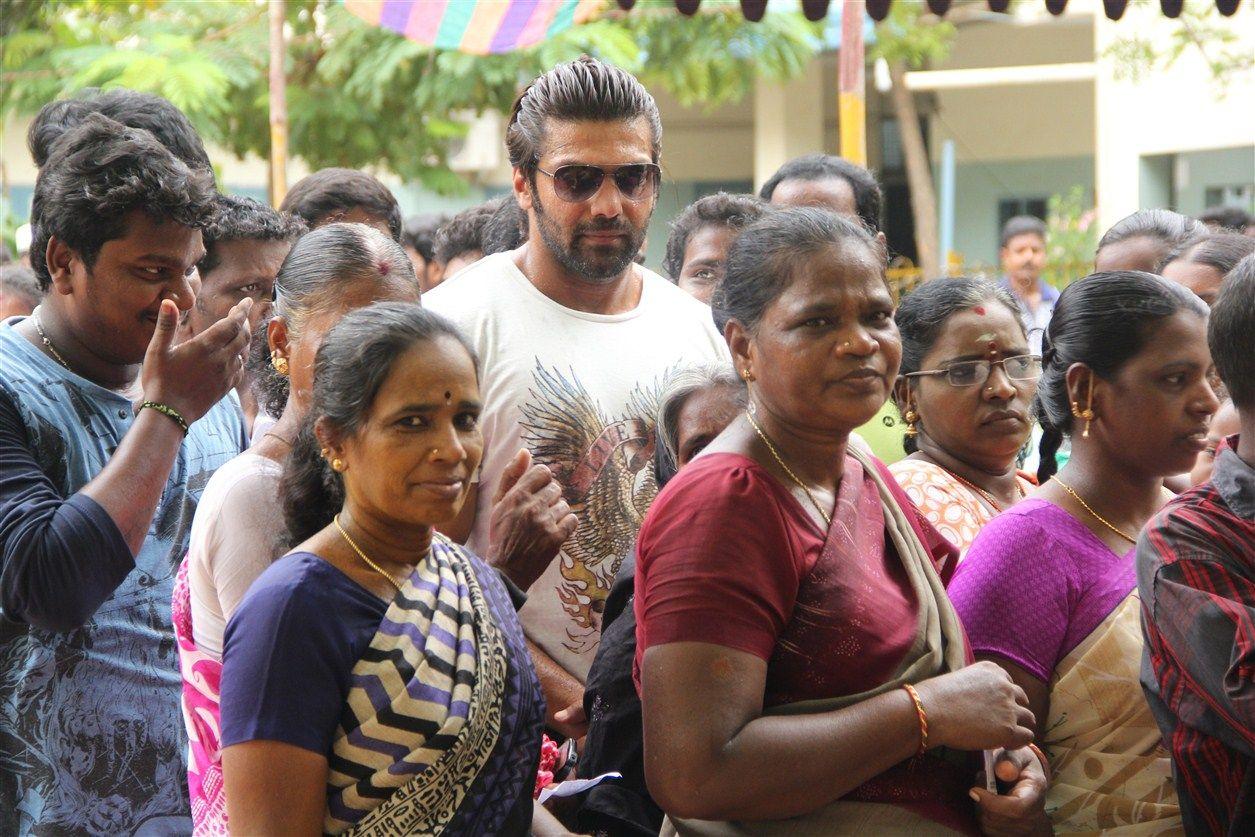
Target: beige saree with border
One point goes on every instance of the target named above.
(1111, 772)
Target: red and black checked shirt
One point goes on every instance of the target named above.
(1196, 578)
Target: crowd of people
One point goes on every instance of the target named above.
(320, 520)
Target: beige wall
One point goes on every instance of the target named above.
(1022, 121)
(1179, 109)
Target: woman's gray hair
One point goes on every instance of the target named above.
(321, 266)
(686, 382)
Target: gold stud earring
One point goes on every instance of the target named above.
(279, 362)
(747, 375)
(912, 418)
(338, 466)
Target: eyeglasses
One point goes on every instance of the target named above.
(577, 183)
(971, 373)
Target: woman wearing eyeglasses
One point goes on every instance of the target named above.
(1048, 589)
(965, 388)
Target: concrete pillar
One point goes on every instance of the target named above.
(788, 120)
(1117, 170)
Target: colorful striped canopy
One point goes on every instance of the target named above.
(479, 27)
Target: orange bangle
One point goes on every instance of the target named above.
(923, 718)
(1045, 762)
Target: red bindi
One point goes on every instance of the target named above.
(980, 309)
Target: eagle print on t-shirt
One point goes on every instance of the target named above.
(605, 466)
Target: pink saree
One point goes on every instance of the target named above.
(202, 676)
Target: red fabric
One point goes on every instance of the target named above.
(728, 556)
(1196, 574)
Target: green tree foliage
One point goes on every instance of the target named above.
(913, 36)
(359, 95)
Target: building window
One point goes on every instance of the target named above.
(1008, 208)
(1242, 196)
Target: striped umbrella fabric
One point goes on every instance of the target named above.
(478, 27)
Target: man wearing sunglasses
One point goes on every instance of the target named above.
(575, 341)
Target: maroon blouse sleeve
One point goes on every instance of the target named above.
(717, 562)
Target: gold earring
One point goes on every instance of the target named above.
(747, 375)
(911, 418)
(279, 362)
(1086, 415)
(338, 466)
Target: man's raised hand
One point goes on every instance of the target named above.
(194, 375)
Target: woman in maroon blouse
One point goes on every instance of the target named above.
(797, 657)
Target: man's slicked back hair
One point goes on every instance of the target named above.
(324, 196)
(99, 172)
(130, 107)
(584, 90)
(238, 218)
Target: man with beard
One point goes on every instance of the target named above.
(575, 341)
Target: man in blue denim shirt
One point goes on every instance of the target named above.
(108, 432)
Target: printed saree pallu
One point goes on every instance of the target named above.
(901, 799)
(202, 688)
(441, 728)
(1111, 773)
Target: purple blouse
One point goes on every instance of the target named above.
(1035, 583)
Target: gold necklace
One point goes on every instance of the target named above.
(1097, 516)
(362, 555)
(827, 518)
(989, 498)
(52, 350)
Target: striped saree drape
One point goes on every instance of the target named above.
(439, 696)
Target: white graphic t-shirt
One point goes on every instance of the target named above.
(580, 391)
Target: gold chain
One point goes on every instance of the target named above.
(1097, 516)
(827, 518)
(39, 328)
(982, 492)
(362, 555)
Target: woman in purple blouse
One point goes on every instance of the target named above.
(1048, 590)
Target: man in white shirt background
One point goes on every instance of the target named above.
(575, 342)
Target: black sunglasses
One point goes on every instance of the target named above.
(577, 183)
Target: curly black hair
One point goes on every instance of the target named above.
(238, 218)
(718, 210)
(100, 171)
(130, 107)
